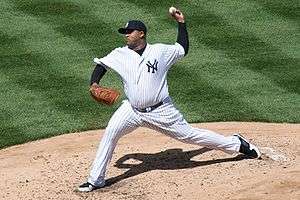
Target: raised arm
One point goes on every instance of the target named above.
(182, 37)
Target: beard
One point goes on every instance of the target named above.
(136, 45)
(132, 45)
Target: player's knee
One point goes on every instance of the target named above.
(113, 133)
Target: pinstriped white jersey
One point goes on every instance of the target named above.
(144, 77)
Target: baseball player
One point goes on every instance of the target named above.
(143, 69)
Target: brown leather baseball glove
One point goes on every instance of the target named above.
(104, 95)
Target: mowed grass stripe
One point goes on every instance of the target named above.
(119, 12)
(22, 117)
(30, 58)
(249, 16)
(248, 51)
(76, 22)
(30, 106)
(39, 72)
(82, 31)
(70, 20)
(285, 9)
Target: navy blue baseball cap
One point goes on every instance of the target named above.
(133, 25)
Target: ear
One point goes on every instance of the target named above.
(142, 34)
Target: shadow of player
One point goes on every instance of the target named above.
(170, 159)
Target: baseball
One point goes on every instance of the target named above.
(172, 10)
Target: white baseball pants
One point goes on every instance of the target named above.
(166, 119)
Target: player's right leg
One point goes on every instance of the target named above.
(123, 121)
(173, 124)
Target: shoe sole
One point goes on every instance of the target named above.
(90, 188)
(252, 146)
(86, 189)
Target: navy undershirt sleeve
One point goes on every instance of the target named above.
(182, 37)
(98, 73)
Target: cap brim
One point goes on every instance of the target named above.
(122, 30)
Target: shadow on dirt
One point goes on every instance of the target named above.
(170, 159)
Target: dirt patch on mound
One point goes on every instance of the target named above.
(150, 165)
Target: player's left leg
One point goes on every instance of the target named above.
(123, 121)
(168, 120)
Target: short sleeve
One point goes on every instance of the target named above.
(109, 61)
(172, 53)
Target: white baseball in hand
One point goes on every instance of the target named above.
(172, 10)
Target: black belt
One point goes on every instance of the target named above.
(149, 109)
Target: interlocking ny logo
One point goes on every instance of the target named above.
(152, 66)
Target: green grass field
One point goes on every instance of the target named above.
(243, 63)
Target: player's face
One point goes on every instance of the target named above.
(134, 38)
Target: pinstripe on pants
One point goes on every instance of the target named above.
(165, 119)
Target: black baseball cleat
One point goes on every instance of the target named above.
(247, 148)
(88, 187)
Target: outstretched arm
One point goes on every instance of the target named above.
(182, 37)
(97, 74)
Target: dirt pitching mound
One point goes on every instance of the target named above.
(150, 165)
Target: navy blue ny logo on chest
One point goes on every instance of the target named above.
(152, 66)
